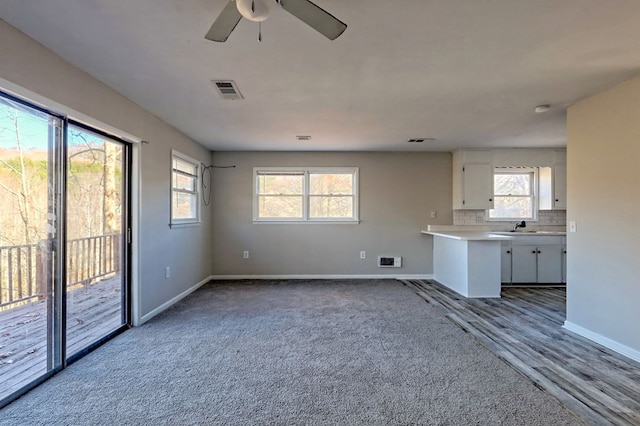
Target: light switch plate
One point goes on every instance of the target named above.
(572, 226)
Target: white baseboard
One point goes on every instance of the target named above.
(321, 277)
(604, 341)
(173, 301)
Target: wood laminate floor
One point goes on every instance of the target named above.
(524, 328)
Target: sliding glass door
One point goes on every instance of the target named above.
(30, 141)
(63, 249)
(96, 218)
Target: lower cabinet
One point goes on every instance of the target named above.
(549, 264)
(564, 264)
(529, 259)
(524, 264)
(505, 262)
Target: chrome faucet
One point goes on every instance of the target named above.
(522, 224)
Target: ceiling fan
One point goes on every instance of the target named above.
(258, 10)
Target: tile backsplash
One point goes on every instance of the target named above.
(478, 217)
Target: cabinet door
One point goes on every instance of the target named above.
(564, 264)
(550, 264)
(505, 263)
(560, 187)
(478, 186)
(524, 264)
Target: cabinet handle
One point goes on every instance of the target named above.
(538, 251)
(508, 251)
(490, 199)
(534, 252)
(557, 200)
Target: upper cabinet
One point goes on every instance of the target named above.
(560, 181)
(553, 183)
(472, 180)
(473, 176)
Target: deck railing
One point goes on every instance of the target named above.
(23, 271)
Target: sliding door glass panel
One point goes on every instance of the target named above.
(95, 211)
(30, 141)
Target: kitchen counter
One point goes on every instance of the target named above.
(470, 235)
(531, 233)
(468, 262)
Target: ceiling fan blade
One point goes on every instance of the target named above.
(316, 17)
(224, 23)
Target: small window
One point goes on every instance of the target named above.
(514, 195)
(185, 184)
(295, 195)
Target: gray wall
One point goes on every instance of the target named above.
(397, 193)
(603, 291)
(33, 67)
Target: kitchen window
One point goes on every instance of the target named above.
(305, 195)
(514, 194)
(185, 183)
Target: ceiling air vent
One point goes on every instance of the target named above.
(227, 89)
(420, 140)
(303, 137)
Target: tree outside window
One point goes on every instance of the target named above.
(185, 181)
(319, 194)
(514, 195)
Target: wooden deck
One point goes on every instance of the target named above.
(524, 328)
(92, 312)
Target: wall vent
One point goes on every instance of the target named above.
(227, 89)
(389, 262)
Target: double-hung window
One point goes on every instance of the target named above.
(185, 183)
(305, 195)
(514, 194)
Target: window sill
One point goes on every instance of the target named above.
(511, 219)
(184, 224)
(306, 222)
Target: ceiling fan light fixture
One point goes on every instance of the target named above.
(254, 10)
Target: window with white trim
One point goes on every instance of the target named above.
(185, 194)
(514, 194)
(305, 195)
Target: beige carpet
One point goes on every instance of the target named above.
(340, 352)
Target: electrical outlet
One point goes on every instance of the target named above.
(245, 254)
(363, 255)
(434, 215)
(167, 272)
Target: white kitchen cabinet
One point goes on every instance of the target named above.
(560, 187)
(505, 262)
(524, 264)
(536, 259)
(564, 264)
(549, 266)
(472, 180)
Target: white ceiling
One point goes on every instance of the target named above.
(467, 72)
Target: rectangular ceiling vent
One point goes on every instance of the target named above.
(420, 140)
(227, 89)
